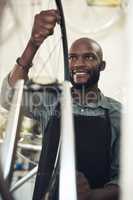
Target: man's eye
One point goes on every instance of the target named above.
(72, 58)
(89, 57)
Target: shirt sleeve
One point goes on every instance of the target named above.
(115, 118)
(38, 105)
(29, 104)
(114, 175)
(6, 94)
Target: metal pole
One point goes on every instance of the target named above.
(19, 183)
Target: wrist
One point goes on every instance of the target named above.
(25, 67)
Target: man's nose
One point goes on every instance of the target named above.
(79, 61)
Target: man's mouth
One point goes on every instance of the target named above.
(80, 72)
(80, 76)
(84, 77)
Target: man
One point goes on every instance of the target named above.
(96, 117)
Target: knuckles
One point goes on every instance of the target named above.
(44, 24)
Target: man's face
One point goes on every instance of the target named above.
(84, 62)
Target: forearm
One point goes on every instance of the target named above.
(43, 26)
(25, 60)
(110, 192)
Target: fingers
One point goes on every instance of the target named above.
(44, 24)
(83, 187)
(51, 15)
(81, 179)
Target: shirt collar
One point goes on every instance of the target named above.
(103, 101)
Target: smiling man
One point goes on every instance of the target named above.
(85, 63)
(96, 117)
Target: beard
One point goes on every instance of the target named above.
(93, 79)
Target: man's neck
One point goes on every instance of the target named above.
(86, 95)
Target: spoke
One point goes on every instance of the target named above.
(47, 60)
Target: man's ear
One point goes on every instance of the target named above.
(102, 65)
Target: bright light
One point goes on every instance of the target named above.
(104, 2)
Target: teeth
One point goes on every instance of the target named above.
(80, 73)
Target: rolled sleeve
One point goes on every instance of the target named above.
(6, 94)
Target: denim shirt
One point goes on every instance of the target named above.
(42, 105)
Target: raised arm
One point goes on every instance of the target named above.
(43, 26)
